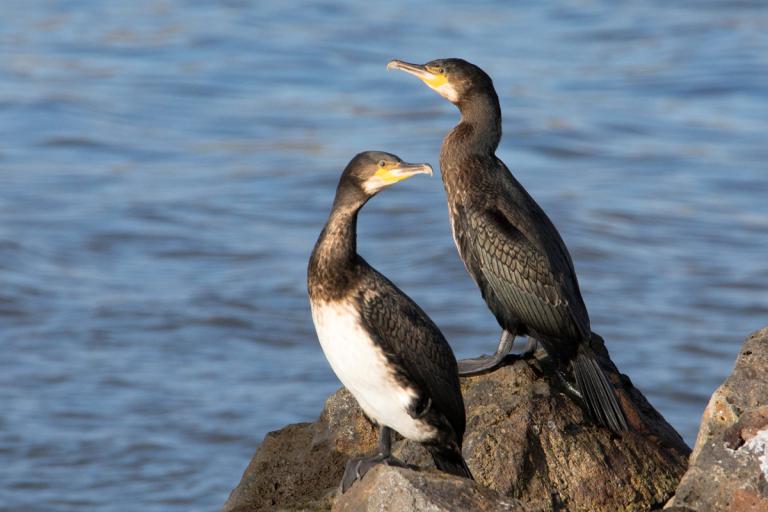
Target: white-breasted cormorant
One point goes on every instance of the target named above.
(385, 350)
(508, 244)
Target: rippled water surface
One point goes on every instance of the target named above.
(165, 167)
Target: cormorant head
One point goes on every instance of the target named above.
(453, 79)
(371, 171)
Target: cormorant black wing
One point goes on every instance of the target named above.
(415, 345)
(524, 277)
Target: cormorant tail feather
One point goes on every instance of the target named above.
(598, 392)
(450, 460)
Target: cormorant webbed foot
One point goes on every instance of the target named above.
(481, 364)
(502, 357)
(357, 468)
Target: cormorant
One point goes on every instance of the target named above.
(508, 244)
(385, 350)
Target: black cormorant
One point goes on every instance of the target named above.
(508, 244)
(385, 350)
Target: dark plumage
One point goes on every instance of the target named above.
(508, 244)
(383, 347)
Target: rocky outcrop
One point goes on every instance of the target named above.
(392, 489)
(729, 465)
(300, 466)
(526, 442)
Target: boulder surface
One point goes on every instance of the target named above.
(392, 489)
(529, 445)
(729, 465)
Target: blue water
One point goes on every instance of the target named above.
(166, 165)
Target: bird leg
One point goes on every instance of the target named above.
(549, 366)
(530, 349)
(487, 363)
(569, 388)
(357, 467)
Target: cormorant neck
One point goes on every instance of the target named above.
(481, 113)
(335, 253)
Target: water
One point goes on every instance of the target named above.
(165, 167)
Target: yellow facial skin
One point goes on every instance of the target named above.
(387, 176)
(389, 173)
(439, 82)
(435, 78)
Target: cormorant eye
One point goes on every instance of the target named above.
(441, 71)
(382, 163)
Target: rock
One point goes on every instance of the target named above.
(395, 489)
(729, 465)
(525, 440)
(299, 466)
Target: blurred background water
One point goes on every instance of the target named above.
(166, 165)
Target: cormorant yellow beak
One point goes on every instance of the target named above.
(391, 173)
(434, 80)
(402, 171)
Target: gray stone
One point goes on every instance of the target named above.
(385, 489)
(729, 464)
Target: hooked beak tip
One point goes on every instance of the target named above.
(407, 170)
